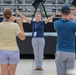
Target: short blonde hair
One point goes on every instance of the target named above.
(37, 13)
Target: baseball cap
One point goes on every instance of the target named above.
(65, 9)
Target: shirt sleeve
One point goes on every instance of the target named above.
(43, 22)
(32, 22)
(55, 25)
(74, 26)
(17, 29)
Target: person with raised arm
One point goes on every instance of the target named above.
(38, 41)
(9, 51)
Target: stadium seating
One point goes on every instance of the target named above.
(25, 6)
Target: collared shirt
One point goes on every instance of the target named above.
(37, 29)
(66, 35)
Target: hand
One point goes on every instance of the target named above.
(71, 17)
(57, 12)
(13, 18)
(19, 20)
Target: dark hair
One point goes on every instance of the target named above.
(73, 6)
(74, 2)
(7, 13)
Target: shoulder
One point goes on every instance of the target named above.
(14, 24)
(72, 23)
(57, 22)
(42, 22)
(1, 23)
(33, 21)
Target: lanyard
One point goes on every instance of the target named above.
(36, 25)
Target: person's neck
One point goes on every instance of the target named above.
(65, 17)
(6, 20)
(37, 21)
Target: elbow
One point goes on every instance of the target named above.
(46, 22)
(23, 38)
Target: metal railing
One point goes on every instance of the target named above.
(28, 9)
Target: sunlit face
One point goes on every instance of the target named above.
(73, 10)
(38, 17)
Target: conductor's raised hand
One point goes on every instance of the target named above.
(57, 12)
(71, 17)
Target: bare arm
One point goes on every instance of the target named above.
(21, 34)
(51, 17)
(24, 17)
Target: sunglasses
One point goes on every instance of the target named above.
(72, 9)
